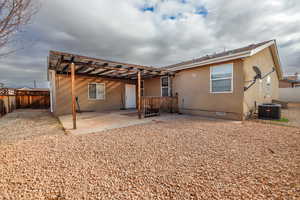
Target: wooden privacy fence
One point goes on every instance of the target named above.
(10, 99)
(33, 99)
(153, 106)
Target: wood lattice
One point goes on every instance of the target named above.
(7, 92)
(153, 106)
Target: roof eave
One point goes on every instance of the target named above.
(213, 61)
(262, 47)
(272, 44)
(277, 61)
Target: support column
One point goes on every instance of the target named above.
(139, 94)
(8, 103)
(73, 94)
(171, 84)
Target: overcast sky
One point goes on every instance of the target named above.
(151, 32)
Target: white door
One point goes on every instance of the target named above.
(130, 96)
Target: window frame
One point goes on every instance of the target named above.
(96, 99)
(161, 87)
(211, 80)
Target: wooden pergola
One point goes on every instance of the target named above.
(66, 63)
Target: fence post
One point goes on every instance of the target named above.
(139, 94)
(73, 95)
(176, 103)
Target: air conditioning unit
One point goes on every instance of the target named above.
(269, 111)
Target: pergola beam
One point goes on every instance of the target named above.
(90, 70)
(81, 68)
(65, 69)
(60, 62)
(107, 72)
(103, 71)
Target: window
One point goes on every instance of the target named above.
(96, 91)
(221, 78)
(142, 88)
(165, 86)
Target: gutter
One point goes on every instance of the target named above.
(214, 60)
(227, 57)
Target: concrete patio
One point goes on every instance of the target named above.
(92, 122)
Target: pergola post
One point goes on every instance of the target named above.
(139, 93)
(73, 94)
(171, 84)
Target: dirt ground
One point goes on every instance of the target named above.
(191, 158)
(27, 124)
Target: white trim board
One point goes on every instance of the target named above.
(169, 87)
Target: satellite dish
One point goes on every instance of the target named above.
(258, 72)
(257, 76)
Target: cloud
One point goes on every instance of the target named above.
(152, 32)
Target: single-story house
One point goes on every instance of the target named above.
(291, 81)
(220, 85)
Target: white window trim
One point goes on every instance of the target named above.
(228, 92)
(96, 99)
(169, 88)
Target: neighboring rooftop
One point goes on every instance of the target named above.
(292, 78)
(34, 89)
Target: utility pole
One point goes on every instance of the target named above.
(34, 84)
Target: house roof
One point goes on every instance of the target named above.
(60, 62)
(34, 89)
(294, 77)
(290, 80)
(242, 52)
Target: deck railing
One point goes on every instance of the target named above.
(152, 106)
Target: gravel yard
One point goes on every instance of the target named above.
(190, 158)
(27, 124)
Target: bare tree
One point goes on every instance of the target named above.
(14, 14)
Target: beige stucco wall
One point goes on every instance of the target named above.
(114, 98)
(152, 87)
(257, 93)
(193, 88)
(191, 85)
